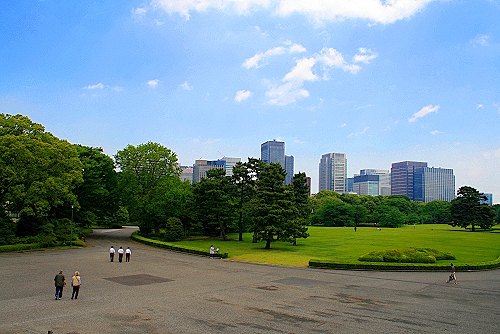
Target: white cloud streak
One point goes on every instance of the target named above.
(319, 11)
(423, 112)
(305, 70)
(96, 86)
(260, 59)
(242, 95)
(153, 83)
(186, 86)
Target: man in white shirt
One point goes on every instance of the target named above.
(120, 254)
(128, 251)
(111, 254)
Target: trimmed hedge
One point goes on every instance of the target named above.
(407, 255)
(35, 246)
(162, 244)
(324, 264)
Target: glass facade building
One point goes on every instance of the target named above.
(431, 184)
(402, 177)
(274, 151)
(333, 172)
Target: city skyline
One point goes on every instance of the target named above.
(381, 81)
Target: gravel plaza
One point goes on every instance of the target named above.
(162, 291)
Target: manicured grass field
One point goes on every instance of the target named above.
(344, 245)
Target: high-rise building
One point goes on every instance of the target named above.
(431, 184)
(402, 177)
(333, 172)
(372, 182)
(489, 199)
(201, 167)
(187, 173)
(274, 151)
(289, 161)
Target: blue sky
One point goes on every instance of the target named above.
(382, 81)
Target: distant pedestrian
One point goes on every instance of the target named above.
(128, 252)
(111, 254)
(76, 282)
(120, 254)
(453, 275)
(212, 251)
(60, 283)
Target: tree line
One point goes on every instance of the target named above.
(48, 187)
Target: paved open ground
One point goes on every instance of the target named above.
(161, 291)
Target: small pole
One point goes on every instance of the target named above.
(71, 241)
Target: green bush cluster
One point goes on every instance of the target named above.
(161, 244)
(402, 267)
(407, 255)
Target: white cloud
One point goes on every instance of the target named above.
(186, 86)
(261, 58)
(286, 93)
(319, 11)
(242, 95)
(424, 111)
(153, 83)
(355, 134)
(343, 125)
(117, 88)
(96, 86)
(480, 40)
(480, 106)
(304, 71)
(333, 58)
(435, 132)
(364, 56)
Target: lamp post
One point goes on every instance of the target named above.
(71, 240)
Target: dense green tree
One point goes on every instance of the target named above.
(174, 230)
(496, 207)
(97, 195)
(148, 172)
(436, 212)
(388, 216)
(272, 207)
(296, 228)
(38, 173)
(466, 209)
(214, 202)
(244, 177)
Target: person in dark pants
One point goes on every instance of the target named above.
(120, 254)
(128, 252)
(453, 275)
(76, 282)
(111, 254)
(60, 283)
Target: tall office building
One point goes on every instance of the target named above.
(489, 199)
(289, 161)
(431, 184)
(201, 167)
(274, 151)
(333, 172)
(372, 182)
(402, 177)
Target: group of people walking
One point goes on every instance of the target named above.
(60, 283)
(120, 252)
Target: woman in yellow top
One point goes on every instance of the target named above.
(76, 282)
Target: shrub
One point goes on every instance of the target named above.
(174, 230)
(407, 255)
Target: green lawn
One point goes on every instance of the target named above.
(344, 245)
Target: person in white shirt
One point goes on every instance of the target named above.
(111, 254)
(128, 251)
(120, 254)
